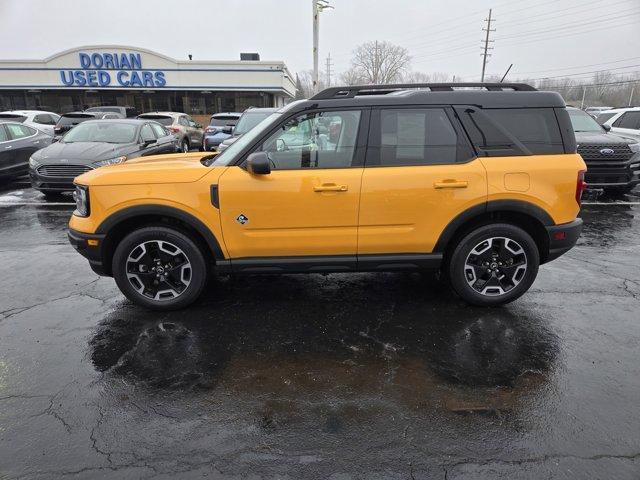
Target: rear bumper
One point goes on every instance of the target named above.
(562, 238)
(93, 253)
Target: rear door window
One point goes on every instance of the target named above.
(3, 134)
(498, 131)
(159, 130)
(17, 131)
(415, 136)
(147, 134)
(44, 119)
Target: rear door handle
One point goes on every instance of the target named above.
(451, 184)
(330, 187)
(8, 147)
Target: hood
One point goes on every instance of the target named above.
(83, 152)
(603, 138)
(172, 168)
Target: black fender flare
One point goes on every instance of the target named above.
(516, 206)
(162, 210)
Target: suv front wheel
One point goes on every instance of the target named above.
(159, 268)
(493, 265)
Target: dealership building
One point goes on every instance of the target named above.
(128, 76)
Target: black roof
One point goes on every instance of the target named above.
(488, 95)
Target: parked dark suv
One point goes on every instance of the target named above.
(613, 161)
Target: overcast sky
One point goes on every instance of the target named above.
(543, 38)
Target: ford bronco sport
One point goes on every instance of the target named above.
(481, 181)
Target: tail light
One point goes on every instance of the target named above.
(210, 130)
(581, 186)
(174, 129)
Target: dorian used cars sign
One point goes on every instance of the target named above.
(105, 69)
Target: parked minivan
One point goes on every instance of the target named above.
(479, 181)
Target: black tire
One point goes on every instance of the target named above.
(467, 278)
(196, 268)
(184, 146)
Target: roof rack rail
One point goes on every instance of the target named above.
(354, 90)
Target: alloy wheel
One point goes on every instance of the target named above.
(159, 270)
(495, 266)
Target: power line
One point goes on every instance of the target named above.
(564, 26)
(577, 66)
(586, 73)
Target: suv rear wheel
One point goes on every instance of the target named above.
(159, 268)
(184, 146)
(493, 265)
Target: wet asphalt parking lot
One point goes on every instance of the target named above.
(372, 376)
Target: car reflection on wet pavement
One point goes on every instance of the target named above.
(320, 376)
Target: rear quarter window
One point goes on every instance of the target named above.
(496, 132)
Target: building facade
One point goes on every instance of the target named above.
(92, 76)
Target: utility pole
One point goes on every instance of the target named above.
(375, 64)
(328, 71)
(317, 6)
(486, 53)
(633, 88)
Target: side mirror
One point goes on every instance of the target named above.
(258, 163)
(147, 143)
(607, 128)
(55, 139)
(227, 130)
(198, 125)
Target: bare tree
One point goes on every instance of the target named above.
(378, 62)
(304, 84)
(422, 77)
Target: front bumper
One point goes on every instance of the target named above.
(51, 184)
(602, 174)
(562, 238)
(92, 251)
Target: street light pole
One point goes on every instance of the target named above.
(316, 39)
(317, 7)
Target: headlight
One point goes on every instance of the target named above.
(33, 163)
(635, 147)
(110, 161)
(81, 196)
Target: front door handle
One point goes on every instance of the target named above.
(8, 147)
(451, 184)
(330, 187)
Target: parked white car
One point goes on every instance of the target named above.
(623, 121)
(595, 111)
(43, 121)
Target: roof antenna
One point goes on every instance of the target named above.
(190, 57)
(505, 73)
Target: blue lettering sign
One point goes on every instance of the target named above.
(66, 81)
(85, 60)
(159, 79)
(94, 71)
(122, 79)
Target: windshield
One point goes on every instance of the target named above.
(229, 154)
(102, 132)
(248, 121)
(583, 122)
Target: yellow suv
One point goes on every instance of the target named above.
(481, 181)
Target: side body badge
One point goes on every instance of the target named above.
(241, 219)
